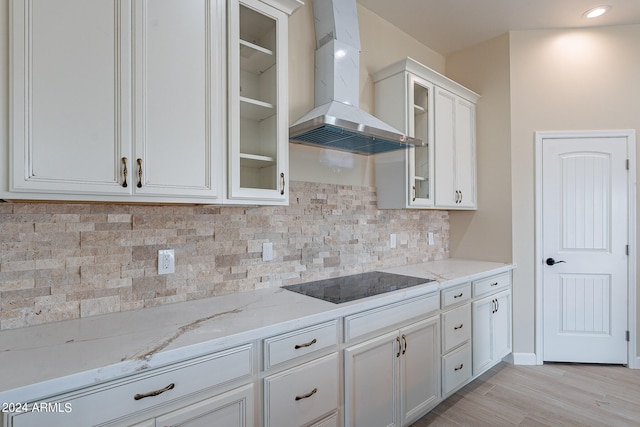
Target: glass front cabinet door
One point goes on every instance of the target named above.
(258, 133)
(420, 126)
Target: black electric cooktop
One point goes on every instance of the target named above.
(349, 288)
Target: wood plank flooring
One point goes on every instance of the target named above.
(549, 395)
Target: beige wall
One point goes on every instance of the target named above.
(562, 80)
(381, 44)
(486, 233)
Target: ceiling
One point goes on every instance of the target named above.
(447, 26)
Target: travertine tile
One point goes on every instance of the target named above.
(62, 261)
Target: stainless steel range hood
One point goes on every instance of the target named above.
(336, 122)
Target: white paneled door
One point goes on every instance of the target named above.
(584, 247)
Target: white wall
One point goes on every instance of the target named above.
(486, 233)
(561, 80)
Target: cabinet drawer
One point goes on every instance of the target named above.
(115, 399)
(285, 347)
(491, 284)
(374, 320)
(456, 327)
(456, 369)
(454, 296)
(301, 394)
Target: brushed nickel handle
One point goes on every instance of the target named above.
(308, 344)
(139, 173)
(455, 328)
(414, 193)
(125, 172)
(404, 339)
(399, 346)
(459, 295)
(306, 396)
(283, 182)
(154, 393)
(459, 367)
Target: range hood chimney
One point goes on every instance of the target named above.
(336, 122)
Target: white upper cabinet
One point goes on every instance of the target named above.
(426, 105)
(404, 178)
(258, 123)
(126, 100)
(178, 91)
(455, 151)
(70, 121)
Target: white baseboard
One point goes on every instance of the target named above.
(524, 359)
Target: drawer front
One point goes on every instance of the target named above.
(115, 399)
(364, 323)
(454, 296)
(285, 347)
(456, 369)
(491, 284)
(301, 394)
(456, 327)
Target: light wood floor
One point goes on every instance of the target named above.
(548, 395)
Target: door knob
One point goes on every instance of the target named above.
(551, 261)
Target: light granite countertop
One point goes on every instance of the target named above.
(39, 361)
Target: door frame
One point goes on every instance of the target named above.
(633, 361)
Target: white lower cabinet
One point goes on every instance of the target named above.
(151, 394)
(231, 409)
(302, 394)
(382, 367)
(393, 378)
(491, 330)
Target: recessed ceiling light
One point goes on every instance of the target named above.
(596, 11)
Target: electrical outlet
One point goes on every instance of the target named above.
(392, 241)
(166, 261)
(430, 239)
(267, 251)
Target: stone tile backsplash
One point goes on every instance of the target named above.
(67, 260)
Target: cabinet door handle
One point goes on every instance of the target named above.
(459, 295)
(139, 173)
(399, 346)
(456, 200)
(306, 396)
(460, 197)
(497, 305)
(459, 367)
(283, 182)
(307, 344)
(154, 393)
(414, 193)
(125, 172)
(404, 340)
(455, 328)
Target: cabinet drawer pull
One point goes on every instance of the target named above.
(305, 396)
(459, 295)
(459, 367)
(154, 393)
(308, 344)
(494, 284)
(139, 173)
(283, 182)
(455, 328)
(125, 172)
